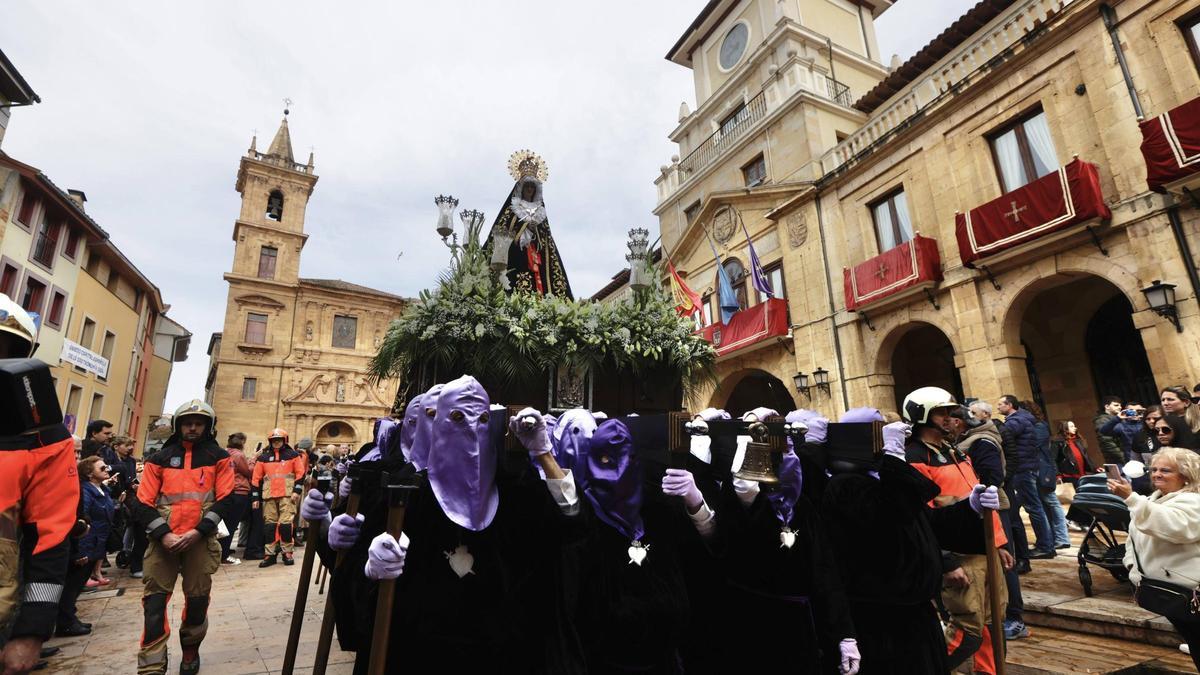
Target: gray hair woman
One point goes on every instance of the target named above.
(1164, 529)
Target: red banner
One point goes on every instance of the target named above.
(1171, 144)
(748, 327)
(1055, 201)
(909, 264)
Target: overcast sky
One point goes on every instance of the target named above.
(147, 107)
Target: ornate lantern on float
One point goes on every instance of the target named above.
(638, 257)
(445, 223)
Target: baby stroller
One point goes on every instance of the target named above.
(1103, 514)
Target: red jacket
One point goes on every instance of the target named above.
(39, 493)
(185, 486)
(241, 471)
(278, 474)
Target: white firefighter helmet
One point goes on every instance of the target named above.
(15, 321)
(199, 408)
(921, 402)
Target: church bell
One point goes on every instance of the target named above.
(759, 463)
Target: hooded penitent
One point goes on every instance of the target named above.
(615, 480)
(387, 438)
(462, 468)
(570, 438)
(418, 453)
(408, 425)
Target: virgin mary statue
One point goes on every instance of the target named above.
(533, 264)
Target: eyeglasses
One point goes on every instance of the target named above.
(106, 468)
(1163, 431)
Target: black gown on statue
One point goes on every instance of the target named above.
(787, 602)
(551, 276)
(888, 543)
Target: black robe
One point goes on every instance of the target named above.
(508, 612)
(789, 601)
(552, 273)
(631, 618)
(888, 542)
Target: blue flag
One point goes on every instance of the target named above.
(757, 276)
(728, 299)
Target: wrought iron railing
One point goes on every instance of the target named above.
(838, 92)
(712, 147)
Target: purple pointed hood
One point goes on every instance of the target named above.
(387, 437)
(615, 479)
(408, 425)
(462, 464)
(418, 453)
(570, 440)
(859, 415)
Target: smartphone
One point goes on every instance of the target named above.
(1129, 412)
(1113, 471)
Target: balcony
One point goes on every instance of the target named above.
(731, 130)
(1171, 147)
(749, 328)
(894, 276)
(1055, 202)
(1011, 31)
(837, 92)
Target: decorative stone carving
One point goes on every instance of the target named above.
(340, 397)
(723, 224)
(308, 332)
(797, 230)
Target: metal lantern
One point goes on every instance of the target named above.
(502, 240)
(801, 381)
(445, 223)
(1161, 298)
(472, 221)
(821, 378)
(639, 272)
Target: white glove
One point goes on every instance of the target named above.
(711, 414)
(759, 414)
(895, 436)
(851, 659)
(315, 507)
(344, 487)
(681, 483)
(530, 428)
(385, 558)
(984, 497)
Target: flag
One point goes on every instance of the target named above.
(757, 276)
(728, 299)
(687, 301)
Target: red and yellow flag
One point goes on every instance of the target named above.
(687, 301)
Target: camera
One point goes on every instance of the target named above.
(1129, 412)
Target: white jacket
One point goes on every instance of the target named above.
(1165, 529)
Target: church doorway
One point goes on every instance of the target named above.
(1080, 344)
(758, 388)
(924, 357)
(336, 433)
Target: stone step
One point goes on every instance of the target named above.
(1050, 651)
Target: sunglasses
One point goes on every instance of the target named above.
(1163, 431)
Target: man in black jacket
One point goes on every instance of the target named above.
(1025, 455)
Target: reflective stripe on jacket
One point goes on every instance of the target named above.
(185, 486)
(278, 473)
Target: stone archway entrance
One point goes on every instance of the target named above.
(336, 433)
(924, 357)
(1080, 344)
(759, 388)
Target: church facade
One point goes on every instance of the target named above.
(294, 351)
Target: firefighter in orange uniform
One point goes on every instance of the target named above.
(184, 495)
(39, 490)
(275, 488)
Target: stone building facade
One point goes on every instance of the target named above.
(294, 351)
(1005, 98)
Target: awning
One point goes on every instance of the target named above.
(1053, 202)
(748, 327)
(902, 271)
(1171, 145)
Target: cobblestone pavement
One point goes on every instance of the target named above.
(248, 625)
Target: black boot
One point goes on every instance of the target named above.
(268, 560)
(288, 560)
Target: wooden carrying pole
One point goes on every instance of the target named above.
(323, 482)
(995, 586)
(325, 638)
(397, 494)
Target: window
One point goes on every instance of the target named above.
(774, 274)
(690, 213)
(755, 172)
(1191, 34)
(249, 388)
(28, 206)
(737, 278)
(256, 329)
(275, 206)
(45, 243)
(266, 262)
(8, 279)
(58, 306)
(74, 398)
(34, 295)
(892, 224)
(72, 245)
(87, 333)
(1024, 151)
(705, 314)
(114, 281)
(106, 349)
(345, 331)
(96, 412)
(733, 119)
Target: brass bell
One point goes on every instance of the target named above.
(758, 464)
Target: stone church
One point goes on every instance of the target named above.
(294, 351)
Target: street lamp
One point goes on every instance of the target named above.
(801, 380)
(822, 379)
(445, 222)
(1161, 298)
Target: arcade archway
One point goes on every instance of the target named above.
(336, 433)
(924, 357)
(757, 388)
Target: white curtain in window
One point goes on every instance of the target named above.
(1037, 131)
(1012, 175)
(906, 228)
(883, 224)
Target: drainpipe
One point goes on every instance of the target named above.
(1185, 251)
(837, 341)
(1110, 22)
